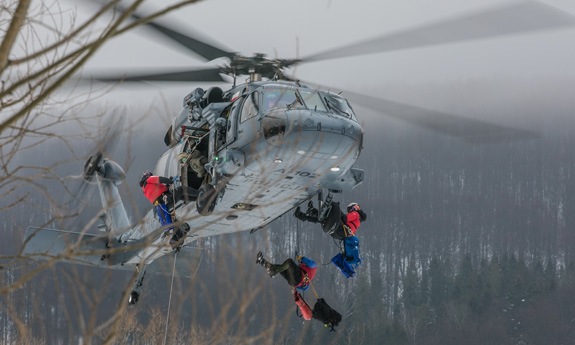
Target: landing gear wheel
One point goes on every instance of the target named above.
(206, 201)
(333, 220)
(134, 296)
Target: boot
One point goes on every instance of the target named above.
(180, 234)
(260, 259)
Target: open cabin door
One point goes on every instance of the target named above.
(192, 159)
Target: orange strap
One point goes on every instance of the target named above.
(347, 230)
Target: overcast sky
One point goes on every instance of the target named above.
(268, 26)
(305, 27)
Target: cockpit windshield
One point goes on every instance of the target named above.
(278, 97)
(281, 98)
(312, 100)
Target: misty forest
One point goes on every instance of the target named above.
(464, 242)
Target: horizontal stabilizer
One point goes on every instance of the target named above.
(73, 247)
(88, 249)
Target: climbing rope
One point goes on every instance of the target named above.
(170, 299)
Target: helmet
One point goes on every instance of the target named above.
(144, 177)
(353, 206)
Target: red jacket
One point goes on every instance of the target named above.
(309, 267)
(352, 220)
(154, 187)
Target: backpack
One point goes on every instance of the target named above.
(343, 265)
(324, 313)
(351, 250)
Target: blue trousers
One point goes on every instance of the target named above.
(164, 215)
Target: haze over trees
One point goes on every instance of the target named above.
(462, 241)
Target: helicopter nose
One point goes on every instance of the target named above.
(274, 128)
(311, 134)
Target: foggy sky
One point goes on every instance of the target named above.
(301, 28)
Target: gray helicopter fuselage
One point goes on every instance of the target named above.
(268, 158)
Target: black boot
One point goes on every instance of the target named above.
(260, 259)
(270, 268)
(180, 234)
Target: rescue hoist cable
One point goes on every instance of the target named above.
(297, 238)
(170, 299)
(315, 292)
(174, 200)
(297, 249)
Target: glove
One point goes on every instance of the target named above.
(299, 257)
(299, 214)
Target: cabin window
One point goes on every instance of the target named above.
(249, 109)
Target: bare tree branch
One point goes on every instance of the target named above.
(12, 32)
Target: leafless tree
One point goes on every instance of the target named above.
(43, 46)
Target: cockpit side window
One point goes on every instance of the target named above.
(338, 105)
(249, 108)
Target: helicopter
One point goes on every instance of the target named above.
(264, 146)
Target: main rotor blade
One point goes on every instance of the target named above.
(203, 49)
(210, 74)
(527, 16)
(469, 130)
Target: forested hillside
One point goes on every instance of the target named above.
(464, 243)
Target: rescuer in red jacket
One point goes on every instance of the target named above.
(156, 189)
(298, 276)
(353, 218)
(350, 221)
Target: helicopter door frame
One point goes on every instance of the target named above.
(232, 125)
